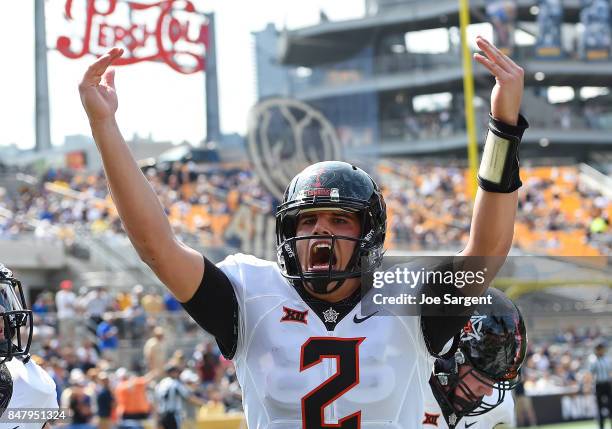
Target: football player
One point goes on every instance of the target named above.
(476, 379)
(303, 355)
(23, 384)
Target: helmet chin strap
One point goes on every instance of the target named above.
(460, 404)
(451, 381)
(319, 286)
(7, 349)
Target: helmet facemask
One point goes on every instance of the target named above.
(468, 403)
(366, 256)
(330, 185)
(16, 319)
(492, 348)
(500, 382)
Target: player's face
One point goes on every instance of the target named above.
(314, 254)
(479, 385)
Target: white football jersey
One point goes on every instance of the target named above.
(32, 388)
(368, 372)
(502, 414)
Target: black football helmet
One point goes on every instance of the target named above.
(16, 319)
(331, 185)
(492, 346)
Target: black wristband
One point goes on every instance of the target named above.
(499, 167)
(508, 131)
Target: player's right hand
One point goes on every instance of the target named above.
(97, 89)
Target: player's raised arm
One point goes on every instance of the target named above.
(492, 227)
(176, 265)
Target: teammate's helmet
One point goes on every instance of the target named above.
(16, 319)
(492, 345)
(331, 185)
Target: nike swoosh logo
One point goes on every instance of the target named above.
(363, 319)
(467, 425)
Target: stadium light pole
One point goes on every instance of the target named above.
(468, 96)
(42, 120)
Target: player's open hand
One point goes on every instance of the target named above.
(508, 90)
(97, 89)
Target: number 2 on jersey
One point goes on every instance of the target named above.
(346, 353)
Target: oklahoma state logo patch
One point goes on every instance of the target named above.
(292, 315)
(431, 419)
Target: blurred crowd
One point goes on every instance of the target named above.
(65, 202)
(108, 351)
(101, 393)
(426, 206)
(558, 204)
(592, 117)
(445, 123)
(401, 123)
(422, 126)
(101, 342)
(429, 207)
(561, 364)
(124, 344)
(104, 316)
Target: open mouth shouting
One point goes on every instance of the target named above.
(320, 256)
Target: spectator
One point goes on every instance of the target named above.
(80, 407)
(40, 305)
(419, 195)
(192, 382)
(171, 303)
(48, 352)
(601, 368)
(152, 303)
(105, 402)
(58, 374)
(214, 406)
(170, 394)
(209, 364)
(65, 302)
(87, 355)
(137, 294)
(178, 359)
(123, 300)
(96, 303)
(135, 320)
(108, 342)
(131, 395)
(69, 356)
(156, 351)
(525, 414)
(599, 225)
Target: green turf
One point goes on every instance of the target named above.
(588, 424)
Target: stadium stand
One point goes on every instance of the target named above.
(428, 207)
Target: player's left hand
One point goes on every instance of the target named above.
(508, 90)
